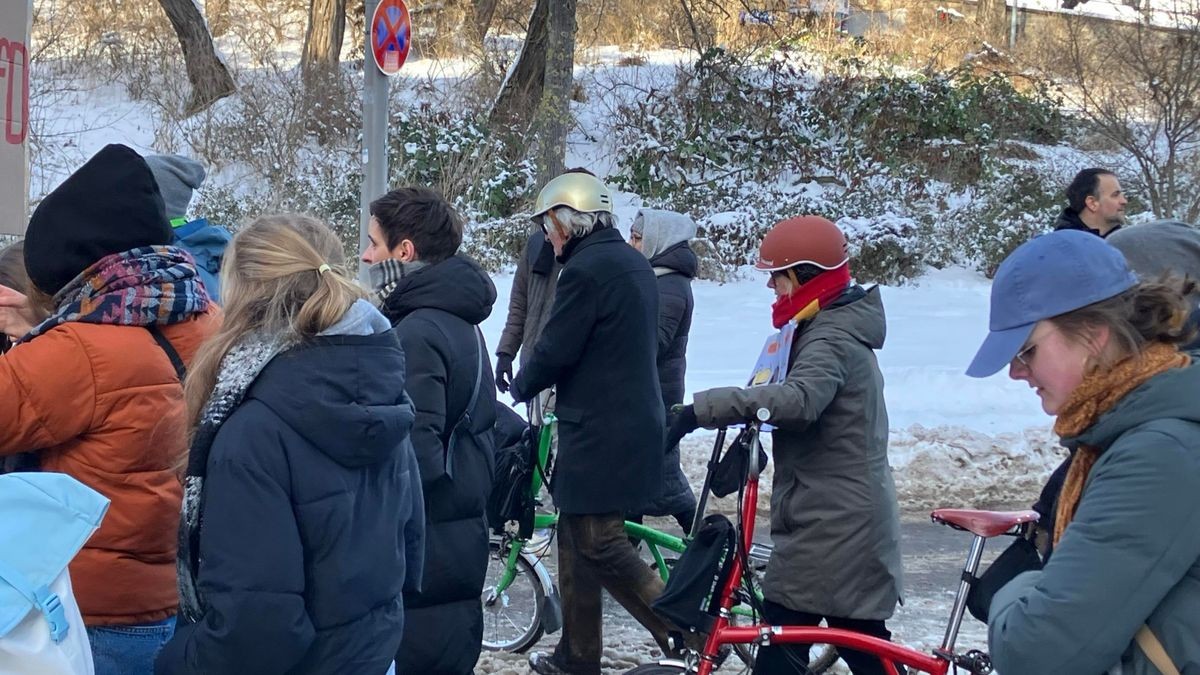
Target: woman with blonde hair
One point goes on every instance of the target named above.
(302, 517)
(1121, 592)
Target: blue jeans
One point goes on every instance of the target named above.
(131, 649)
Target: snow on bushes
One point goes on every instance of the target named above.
(742, 145)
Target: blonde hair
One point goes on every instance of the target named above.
(283, 274)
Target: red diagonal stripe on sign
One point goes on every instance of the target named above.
(392, 41)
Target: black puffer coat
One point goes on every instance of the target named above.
(675, 269)
(311, 519)
(436, 311)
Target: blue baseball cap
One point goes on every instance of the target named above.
(1047, 276)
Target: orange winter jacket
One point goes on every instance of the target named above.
(103, 404)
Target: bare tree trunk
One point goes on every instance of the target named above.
(522, 90)
(210, 78)
(554, 112)
(323, 39)
(484, 11)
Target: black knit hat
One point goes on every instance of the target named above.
(109, 205)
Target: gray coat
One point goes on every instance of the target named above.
(1131, 556)
(531, 298)
(834, 517)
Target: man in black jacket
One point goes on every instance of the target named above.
(1095, 203)
(436, 299)
(599, 348)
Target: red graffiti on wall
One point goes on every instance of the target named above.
(14, 88)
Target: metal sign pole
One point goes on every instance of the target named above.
(374, 144)
(1012, 28)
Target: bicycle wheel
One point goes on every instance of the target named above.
(512, 619)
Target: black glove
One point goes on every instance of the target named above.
(504, 372)
(680, 422)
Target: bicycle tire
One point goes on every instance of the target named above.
(526, 632)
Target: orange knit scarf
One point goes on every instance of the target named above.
(1096, 395)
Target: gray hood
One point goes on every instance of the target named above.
(1168, 395)
(361, 319)
(661, 230)
(1162, 246)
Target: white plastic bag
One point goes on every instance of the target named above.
(29, 650)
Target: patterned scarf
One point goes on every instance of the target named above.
(239, 368)
(151, 285)
(1094, 397)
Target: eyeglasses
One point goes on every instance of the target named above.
(1025, 356)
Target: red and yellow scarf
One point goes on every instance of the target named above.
(812, 297)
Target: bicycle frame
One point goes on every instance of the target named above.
(724, 633)
(656, 541)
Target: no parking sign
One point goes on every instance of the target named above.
(391, 34)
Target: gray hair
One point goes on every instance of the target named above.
(579, 224)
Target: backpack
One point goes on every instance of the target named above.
(45, 518)
(207, 243)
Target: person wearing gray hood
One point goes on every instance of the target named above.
(662, 236)
(1163, 247)
(177, 177)
(1153, 251)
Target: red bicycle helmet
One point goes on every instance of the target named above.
(802, 240)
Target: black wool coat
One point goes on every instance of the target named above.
(600, 348)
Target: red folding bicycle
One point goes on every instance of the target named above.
(982, 524)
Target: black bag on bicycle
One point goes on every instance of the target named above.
(688, 601)
(730, 474)
(1021, 556)
(512, 497)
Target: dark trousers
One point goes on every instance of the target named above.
(594, 554)
(783, 659)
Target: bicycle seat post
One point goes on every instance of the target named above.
(964, 586)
